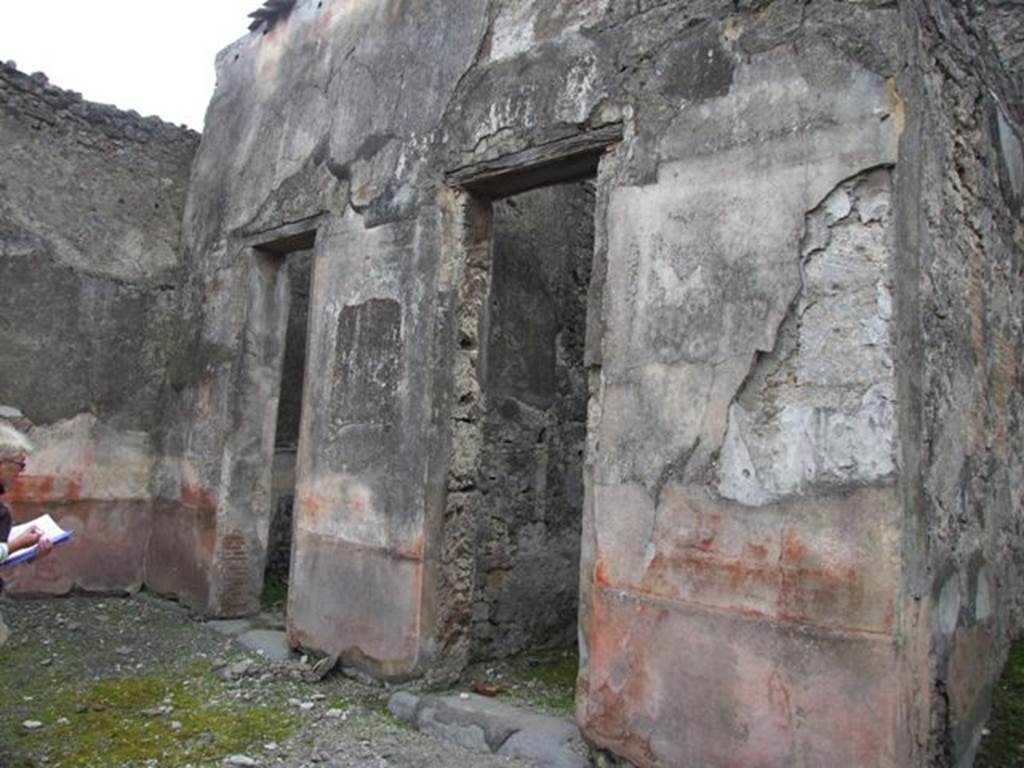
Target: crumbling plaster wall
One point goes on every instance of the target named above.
(91, 200)
(962, 238)
(741, 603)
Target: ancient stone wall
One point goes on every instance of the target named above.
(759, 546)
(91, 200)
(962, 306)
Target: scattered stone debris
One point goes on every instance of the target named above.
(321, 669)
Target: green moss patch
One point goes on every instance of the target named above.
(544, 679)
(275, 592)
(169, 720)
(1003, 746)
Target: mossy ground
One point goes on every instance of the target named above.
(130, 683)
(1003, 746)
(104, 704)
(542, 679)
(132, 720)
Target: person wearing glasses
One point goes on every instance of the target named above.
(14, 450)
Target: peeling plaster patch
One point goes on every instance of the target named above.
(819, 410)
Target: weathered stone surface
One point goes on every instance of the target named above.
(402, 705)
(90, 220)
(798, 363)
(745, 366)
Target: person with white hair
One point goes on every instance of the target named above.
(14, 451)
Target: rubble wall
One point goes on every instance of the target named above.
(752, 545)
(961, 290)
(91, 200)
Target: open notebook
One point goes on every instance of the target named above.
(50, 529)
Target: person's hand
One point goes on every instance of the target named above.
(26, 539)
(43, 547)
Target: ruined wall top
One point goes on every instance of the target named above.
(36, 99)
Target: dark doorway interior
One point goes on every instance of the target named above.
(535, 388)
(279, 541)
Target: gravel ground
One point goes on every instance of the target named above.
(106, 682)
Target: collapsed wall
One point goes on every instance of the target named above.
(91, 200)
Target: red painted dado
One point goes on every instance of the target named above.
(106, 552)
(784, 589)
(376, 626)
(660, 678)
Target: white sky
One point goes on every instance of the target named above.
(151, 56)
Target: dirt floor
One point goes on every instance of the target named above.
(140, 681)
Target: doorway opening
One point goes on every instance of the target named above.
(533, 423)
(298, 266)
(527, 326)
(256, 568)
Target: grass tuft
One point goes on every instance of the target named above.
(1003, 747)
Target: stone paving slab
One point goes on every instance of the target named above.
(483, 724)
(271, 643)
(230, 627)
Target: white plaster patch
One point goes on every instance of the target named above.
(949, 605)
(804, 446)
(580, 92)
(983, 604)
(513, 31)
(837, 206)
(517, 110)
